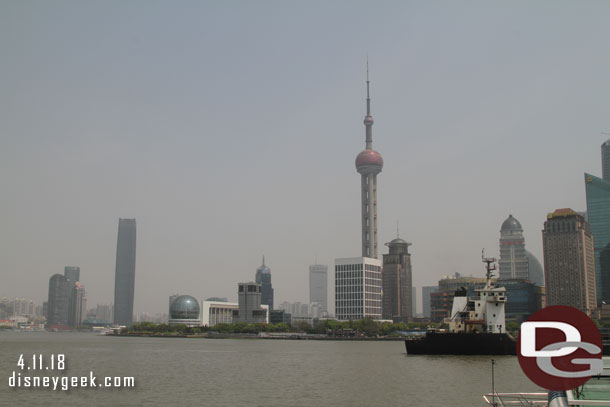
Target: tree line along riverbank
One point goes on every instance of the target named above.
(326, 329)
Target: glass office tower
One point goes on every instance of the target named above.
(598, 213)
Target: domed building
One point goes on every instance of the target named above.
(536, 272)
(520, 273)
(513, 261)
(516, 263)
(184, 309)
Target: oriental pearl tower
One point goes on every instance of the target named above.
(368, 164)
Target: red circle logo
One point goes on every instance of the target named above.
(560, 348)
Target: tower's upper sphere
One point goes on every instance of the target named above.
(511, 224)
(368, 121)
(369, 161)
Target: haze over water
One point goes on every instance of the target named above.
(238, 372)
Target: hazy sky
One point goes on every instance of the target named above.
(229, 130)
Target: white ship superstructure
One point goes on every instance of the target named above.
(485, 312)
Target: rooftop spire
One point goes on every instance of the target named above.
(368, 119)
(263, 260)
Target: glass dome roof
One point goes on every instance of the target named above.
(184, 307)
(511, 224)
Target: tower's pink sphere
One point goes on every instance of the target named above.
(368, 158)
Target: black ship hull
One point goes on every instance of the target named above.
(444, 343)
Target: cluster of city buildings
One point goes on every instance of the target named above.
(576, 272)
(255, 303)
(66, 307)
(520, 273)
(576, 249)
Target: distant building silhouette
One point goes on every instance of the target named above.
(598, 216)
(425, 294)
(78, 304)
(250, 308)
(535, 270)
(569, 261)
(604, 267)
(318, 286)
(72, 273)
(67, 301)
(125, 272)
(58, 304)
(606, 160)
(397, 282)
(414, 301)
(263, 277)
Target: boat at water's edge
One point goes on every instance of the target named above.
(477, 325)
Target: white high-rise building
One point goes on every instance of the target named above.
(318, 285)
(357, 288)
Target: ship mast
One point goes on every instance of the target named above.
(489, 264)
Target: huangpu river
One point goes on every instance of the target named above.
(246, 372)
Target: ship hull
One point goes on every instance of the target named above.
(445, 343)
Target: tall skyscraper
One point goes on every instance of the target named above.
(67, 304)
(318, 286)
(569, 261)
(263, 277)
(397, 282)
(368, 164)
(513, 261)
(358, 288)
(606, 160)
(125, 273)
(78, 304)
(58, 304)
(598, 215)
(72, 273)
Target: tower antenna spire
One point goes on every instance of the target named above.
(397, 231)
(263, 260)
(368, 119)
(368, 94)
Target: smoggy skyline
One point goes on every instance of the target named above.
(229, 132)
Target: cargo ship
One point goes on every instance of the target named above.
(477, 325)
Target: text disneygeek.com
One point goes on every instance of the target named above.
(16, 380)
(64, 383)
